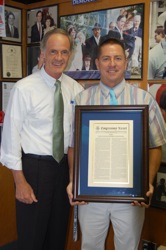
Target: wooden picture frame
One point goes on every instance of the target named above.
(81, 26)
(11, 58)
(13, 16)
(43, 14)
(96, 178)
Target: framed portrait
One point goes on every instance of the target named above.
(111, 153)
(89, 29)
(159, 196)
(158, 91)
(33, 53)
(11, 58)
(157, 42)
(13, 24)
(39, 21)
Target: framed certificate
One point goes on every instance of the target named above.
(111, 153)
(11, 61)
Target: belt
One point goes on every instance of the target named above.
(42, 157)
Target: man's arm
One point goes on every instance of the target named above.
(154, 164)
(24, 192)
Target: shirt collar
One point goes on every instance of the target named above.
(49, 80)
(118, 89)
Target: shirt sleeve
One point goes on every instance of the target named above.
(157, 126)
(11, 151)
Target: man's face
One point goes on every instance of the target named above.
(11, 19)
(137, 22)
(39, 17)
(158, 37)
(87, 63)
(56, 55)
(112, 64)
(121, 23)
(96, 32)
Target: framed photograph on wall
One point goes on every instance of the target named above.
(13, 24)
(39, 21)
(88, 29)
(33, 54)
(157, 41)
(11, 61)
(159, 196)
(158, 91)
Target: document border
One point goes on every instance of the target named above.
(139, 115)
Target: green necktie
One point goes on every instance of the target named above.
(113, 100)
(58, 133)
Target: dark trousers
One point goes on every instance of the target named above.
(43, 225)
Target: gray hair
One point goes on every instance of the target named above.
(43, 43)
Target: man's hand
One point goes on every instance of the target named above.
(70, 195)
(24, 191)
(148, 194)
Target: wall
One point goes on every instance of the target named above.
(155, 222)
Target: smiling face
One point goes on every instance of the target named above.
(48, 23)
(121, 23)
(56, 54)
(112, 64)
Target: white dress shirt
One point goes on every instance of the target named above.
(28, 119)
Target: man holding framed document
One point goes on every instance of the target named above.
(127, 219)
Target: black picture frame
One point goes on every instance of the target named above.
(138, 154)
(16, 14)
(47, 11)
(83, 24)
(159, 195)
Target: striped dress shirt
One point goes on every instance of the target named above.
(128, 94)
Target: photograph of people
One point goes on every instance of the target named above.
(39, 21)
(76, 59)
(11, 29)
(37, 30)
(97, 26)
(93, 42)
(12, 24)
(87, 62)
(157, 43)
(49, 24)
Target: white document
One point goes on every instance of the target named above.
(110, 162)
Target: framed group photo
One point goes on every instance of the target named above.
(13, 24)
(157, 43)
(39, 21)
(88, 29)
